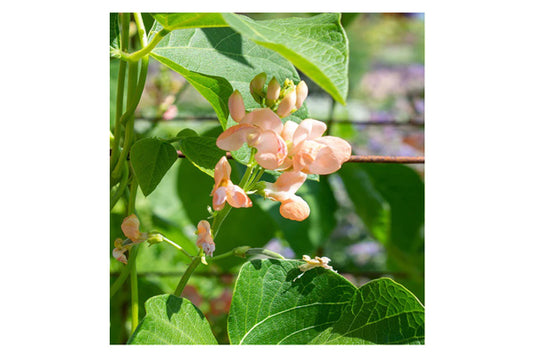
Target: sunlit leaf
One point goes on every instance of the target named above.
(316, 45)
(273, 304)
(172, 321)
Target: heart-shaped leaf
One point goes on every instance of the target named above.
(202, 151)
(316, 45)
(274, 304)
(171, 320)
(151, 158)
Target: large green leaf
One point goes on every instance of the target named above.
(223, 53)
(172, 321)
(316, 45)
(174, 21)
(202, 151)
(151, 158)
(273, 304)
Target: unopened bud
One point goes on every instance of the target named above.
(257, 84)
(236, 106)
(287, 104)
(154, 238)
(302, 92)
(273, 91)
(241, 251)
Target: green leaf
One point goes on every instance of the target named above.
(223, 53)
(151, 158)
(316, 45)
(215, 89)
(273, 304)
(172, 321)
(114, 30)
(174, 21)
(202, 151)
(184, 133)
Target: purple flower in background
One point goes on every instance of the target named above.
(364, 251)
(276, 246)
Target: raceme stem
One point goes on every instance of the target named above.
(177, 247)
(191, 268)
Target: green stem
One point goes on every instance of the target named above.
(133, 57)
(132, 199)
(177, 247)
(129, 132)
(122, 185)
(125, 22)
(132, 259)
(120, 280)
(133, 286)
(191, 268)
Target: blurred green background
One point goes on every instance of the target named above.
(368, 218)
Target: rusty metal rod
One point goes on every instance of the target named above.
(365, 158)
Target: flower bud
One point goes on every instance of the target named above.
(236, 106)
(257, 86)
(287, 104)
(273, 90)
(205, 240)
(302, 92)
(154, 238)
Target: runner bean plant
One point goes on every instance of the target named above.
(267, 148)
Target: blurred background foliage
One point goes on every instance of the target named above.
(368, 218)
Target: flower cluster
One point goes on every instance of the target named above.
(291, 148)
(130, 228)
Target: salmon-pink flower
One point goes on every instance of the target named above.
(259, 129)
(119, 250)
(322, 262)
(283, 190)
(205, 240)
(225, 191)
(130, 228)
(311, 153)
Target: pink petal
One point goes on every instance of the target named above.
(130, 227)
(221, 172)
(340, 147)
(304, 154)
(302, 92)
(237, 198)
(234, 137)
(309, 129)
(271, 150)
(290, 181)
(220, 196)
(287, 104)
(295, 209)
(288, 130)
(265, 119)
